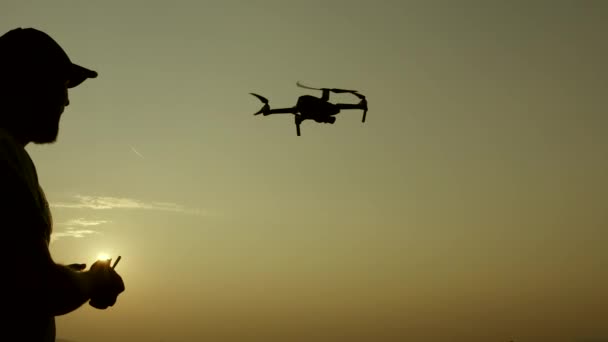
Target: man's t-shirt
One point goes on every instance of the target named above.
(25, 219)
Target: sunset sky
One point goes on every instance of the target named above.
(471, 206)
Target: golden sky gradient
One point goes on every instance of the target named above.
(471, 206)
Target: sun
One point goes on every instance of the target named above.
(103, 256)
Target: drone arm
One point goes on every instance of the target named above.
(349, 106)
(361, 105)
(291, 110)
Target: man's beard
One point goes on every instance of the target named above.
(45, 139)
(45, 132)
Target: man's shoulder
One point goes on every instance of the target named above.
(7, 142)
(8, 147)
(13, 157)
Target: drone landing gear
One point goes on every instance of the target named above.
(298, 120)
(363, 105)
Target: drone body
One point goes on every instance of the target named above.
(318, 109)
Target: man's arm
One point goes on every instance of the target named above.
(55, 289)
(37, 284)
(67, 289)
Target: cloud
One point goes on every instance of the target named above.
(71, 232)
(136, 152)
(84, 223)
(77, 228)
(106, 203)
(81, 227)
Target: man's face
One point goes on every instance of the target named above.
(46, 102)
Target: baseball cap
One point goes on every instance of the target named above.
(28, 51)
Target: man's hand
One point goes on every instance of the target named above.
(107, 285)
(77, 267)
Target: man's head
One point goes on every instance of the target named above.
(35, 75)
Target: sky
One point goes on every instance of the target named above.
(470, 206)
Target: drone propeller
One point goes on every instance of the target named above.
(335, 90)
(264, 100)
(360, 96)
(260, 97)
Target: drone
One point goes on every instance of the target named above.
(315, 108)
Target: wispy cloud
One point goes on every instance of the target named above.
(70, 232)
(84, 223)
(136, 152)
(106, 203)
(76, 228)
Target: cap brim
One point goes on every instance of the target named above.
(79, 74)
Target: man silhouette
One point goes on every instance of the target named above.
(35, 75)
